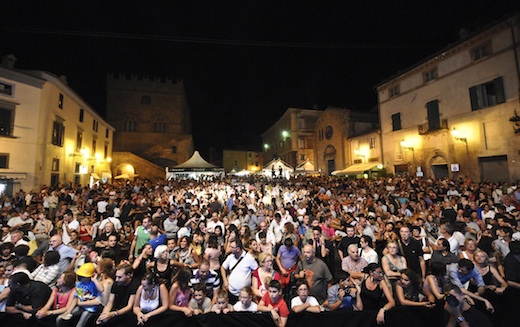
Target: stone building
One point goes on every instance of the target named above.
(455, 113)
(333, 130)
(152, 118)
(48, 134)
(292, 137)
(239, 160)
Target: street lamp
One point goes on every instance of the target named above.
(285, 134)
(457, 136)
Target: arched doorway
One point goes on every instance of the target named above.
(439, 166)
(330, 158)
(125, 171)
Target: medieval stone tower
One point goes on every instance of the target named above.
(152, 118)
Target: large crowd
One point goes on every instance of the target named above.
(73, 255)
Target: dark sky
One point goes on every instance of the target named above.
(243, 62)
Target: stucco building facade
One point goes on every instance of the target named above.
(449, 115)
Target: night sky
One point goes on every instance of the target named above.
(243, 62)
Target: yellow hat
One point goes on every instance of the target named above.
(86, 270)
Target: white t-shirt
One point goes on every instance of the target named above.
(65, 236)
(311, 300)
(253, 307)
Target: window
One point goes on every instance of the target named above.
(4, 160)
(94, 146)
(145, 99)
(302, 143)
(301, 123)
(236, 163)
(55, 179)
(129, 126)
(394, 91)
(487, 94)
(81, 115)
(6, 89)
(302, 157)
(430, 75)
(372, 142)
(105, 151)
(58, 132)
(77, 168)
(160, 126)
(79, 140)
(107, 133)
(6, 121)
(55, 164)
(482, 51)
(60, 101)
(434, 120)
(396, 121)
(95, 125)
(174, 149)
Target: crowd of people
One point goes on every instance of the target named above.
(75, 255)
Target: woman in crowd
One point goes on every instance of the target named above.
(434, 283)
(470, 247)
(374, 292)
(142, 262)
(48, 271)
(264, 274)
(245, 302)
(85, 230)
(185, 255)
(61, 296)
(393, 263)
(254, 248)
(245, 234)
(6, 268)
(408, 290)
(492, 278)
(213, 252)
(105, 276)
(367, 252)
(151, 299)
(180, 292)
(162, 266)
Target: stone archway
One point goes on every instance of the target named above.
(439, 166)
(329, 155)
(125, 169)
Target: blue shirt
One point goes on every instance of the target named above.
(159, 240)
(87, 290)
(459, 280)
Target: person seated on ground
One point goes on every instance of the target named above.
(222, 305)
(180, 292)
(273, 302)
(26, 296)
(151, 298)
(122, 295)
(87, 298)
(434, 283)
(461, 311)
(408, 289)
(462, 273)
(200, 303)
(492, 279)
(245, 301)
(48, 271)
(61, 296)
(343, 294)
(304, 302)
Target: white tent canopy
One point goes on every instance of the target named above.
(355, 169)
(306, 168)
(194, 167)
(280, 168)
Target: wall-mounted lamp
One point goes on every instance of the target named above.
(266, 146)
(359, 154)
(82, 153)
(285, 134)
(457, 136)
(406, 146)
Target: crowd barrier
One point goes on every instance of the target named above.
(506, 315)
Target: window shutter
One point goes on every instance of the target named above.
(498, 84)
(474, 98)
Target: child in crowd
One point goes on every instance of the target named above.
(199, 302)
(87, 297)
(222, 305)
(245, 302)
(304, 302)
(273, 303)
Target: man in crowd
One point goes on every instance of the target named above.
(315, 271)
(240, 265)
(207, 277)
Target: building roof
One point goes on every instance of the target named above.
(196, 161)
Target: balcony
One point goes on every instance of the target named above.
(430, 127)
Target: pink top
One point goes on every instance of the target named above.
(61, 299)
